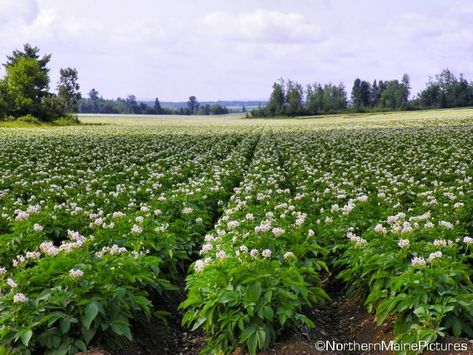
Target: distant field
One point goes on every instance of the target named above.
(173, 234)
(404, 118)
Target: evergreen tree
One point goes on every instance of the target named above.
(157, 107)
(356, 94)
(375, 94)
(276, 101)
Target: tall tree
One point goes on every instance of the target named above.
(294, 97)
(276, 101)
(334, 98)
(375, 94)
(32, 53)
(406, 82)
(314, 99)
(393, 96)
(192, 105)
(92, 104)
(28, 84)
(356, 94)
(131, 105)
(5, 104)
(360, 94)
(365, 88)
(157, 107)
(446, 90)
(68, 90)
(430, 96)
(445, 79)
(27, 80)
(382, 86)
(94, 95)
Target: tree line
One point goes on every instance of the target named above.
(95, 103)
(289, 98)
(24, 90)
(25, 93)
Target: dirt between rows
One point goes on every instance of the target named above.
(339, 321)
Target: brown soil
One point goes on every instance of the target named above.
(345, 320)
(340, 320)
(156, 336)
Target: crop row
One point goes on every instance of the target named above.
(260, 264)
(62, 287)
(93, 227)
(389, 210)
(395, 209)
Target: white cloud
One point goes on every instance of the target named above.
(262, 26)
(17, 11)
(214, 48)
(414, 25)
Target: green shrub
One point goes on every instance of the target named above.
(28, 119)
(67, 121)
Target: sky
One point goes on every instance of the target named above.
(216, 49)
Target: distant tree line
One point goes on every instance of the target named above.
(446, 90)
(289, 98)
(95, 103)
(24, 90)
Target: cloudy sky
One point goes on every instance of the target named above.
(218, 49)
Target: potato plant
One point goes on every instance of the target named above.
(96, 221)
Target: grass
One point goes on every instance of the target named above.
(19, 124)
(24, 124)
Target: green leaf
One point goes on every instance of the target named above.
(254, 291)
(63, 350)
(80, 345)
(282, 319)
(421, 312)
(227, 297)
(251, 310)
(65, 325)
(248, 331)
(268, 313)
(90, 313)
(456, 327)
(241, 324)
(26, 336)
(87, 334)
(261, 336)
(252, 343)
(305, 320)
(121, 327)
(268, 295)
(198, 323)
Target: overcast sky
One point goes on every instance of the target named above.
(218, 49)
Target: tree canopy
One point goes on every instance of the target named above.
(24, 90)
(288, 98)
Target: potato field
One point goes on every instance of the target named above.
(242, 221)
